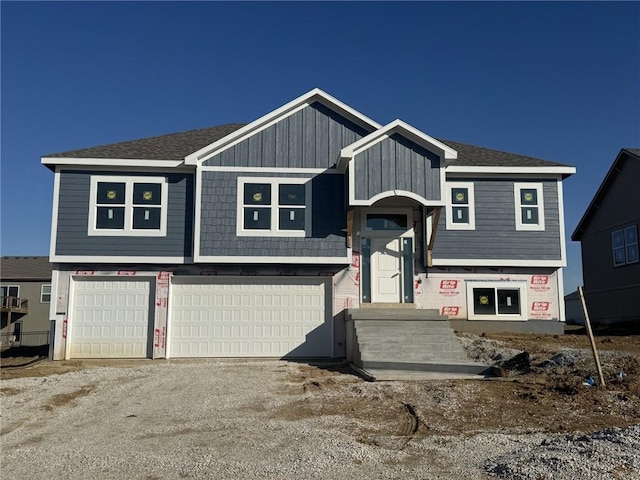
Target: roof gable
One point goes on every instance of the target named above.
(609, 179)
(315, 95)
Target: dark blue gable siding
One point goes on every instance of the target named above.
(220, 211)
(396, 163)
(495, 235)
(309, 138)
(73, 217)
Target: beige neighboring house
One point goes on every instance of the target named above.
(608, 235)
(25, 291)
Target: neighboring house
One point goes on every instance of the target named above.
(608, 235)
(252, 240)
(574, 313)
(25, 289)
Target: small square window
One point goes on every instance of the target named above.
(257, 194)
(292, 194)
(111, 218)
(624, 243)
(530, 215)
(509, 302)
(484, 301)
(110, 193)
(45, 294)
(460, 214)
(631, 235)
(529, 206)
(460, 208)
(460, 195)
(147, 194)
(617, 239)
(529, 196)
(146, 218)
(632, 253)
(291, 219)
(257, 218)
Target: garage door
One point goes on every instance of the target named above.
(249, 317)
(109, 319)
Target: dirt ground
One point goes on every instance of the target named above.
(538, 395)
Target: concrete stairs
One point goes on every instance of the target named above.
(403, 339)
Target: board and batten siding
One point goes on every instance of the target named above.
(309, 138)
(73, 218)
(219, 216)
(495, 235)
(396, 163)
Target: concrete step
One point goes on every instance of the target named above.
(454, 367)
(402, 340)
(411, 357)
(394, 313)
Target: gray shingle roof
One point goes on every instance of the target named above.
(176, 146)
(25, 268)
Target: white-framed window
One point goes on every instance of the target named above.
(274, 207)
(488, 300)
(624, 243)
(135, 206)
(460, 206)
(45, 294)
(529, 203)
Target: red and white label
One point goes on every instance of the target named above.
(540, 307)
(85, 272)
(355, 259)
(453, 311)
(448, 284)
(126, 273)
(539, 279)
(163, 276)
(156, 338)
(64, 328)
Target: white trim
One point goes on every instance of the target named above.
(492, 262)
(521, 286)
(561, 303)
(110, 162)
(54, 213)
(274, 206)
(50, 292)
(538, 187)
(197, 212)
(288, 260)
(96, 259)
(275, 116)
(167, 343)
(471, 205)
(128, 206)
(397, 126)
(563, 242)
(506, 170)
(270, 170)
(69, 318)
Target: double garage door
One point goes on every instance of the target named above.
(208, 317)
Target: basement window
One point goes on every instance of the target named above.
(496, 300)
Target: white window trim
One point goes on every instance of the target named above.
(7, 286)
(128, 207)
(521, 286)
(275, 206)
(471, 225)
(517, 187)
(42, 293)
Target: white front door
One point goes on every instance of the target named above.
(386, 274)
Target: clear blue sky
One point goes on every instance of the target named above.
(558, 81)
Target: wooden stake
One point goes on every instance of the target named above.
(587, 322)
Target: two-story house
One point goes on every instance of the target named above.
(252, 240)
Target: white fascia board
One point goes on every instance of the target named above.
(269, 119)
(510, 170)
(94, 259)
(397, 126)
(110, 162)
(490, 262)
(275, 260)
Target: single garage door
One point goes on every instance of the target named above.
(109, 318)
(250, 317)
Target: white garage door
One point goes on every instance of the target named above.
(249, 317)
(109, 319)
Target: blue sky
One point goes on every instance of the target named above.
(558, 81)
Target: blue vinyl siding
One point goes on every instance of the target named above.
(397, 164)
(73, 217)
(309, 138)
(219, 217)
(495, 235)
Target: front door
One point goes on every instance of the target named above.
(386, 270)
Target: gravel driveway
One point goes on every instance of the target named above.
(266, 419)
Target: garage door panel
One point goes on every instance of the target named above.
(110, 319)
(242, 317)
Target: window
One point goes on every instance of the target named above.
(624, 243)
(495, 300)
(529, 206)
(274, 207)
(45, 294)
(9, 295)
(460, 206)
(128, 206)
(386, 221)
